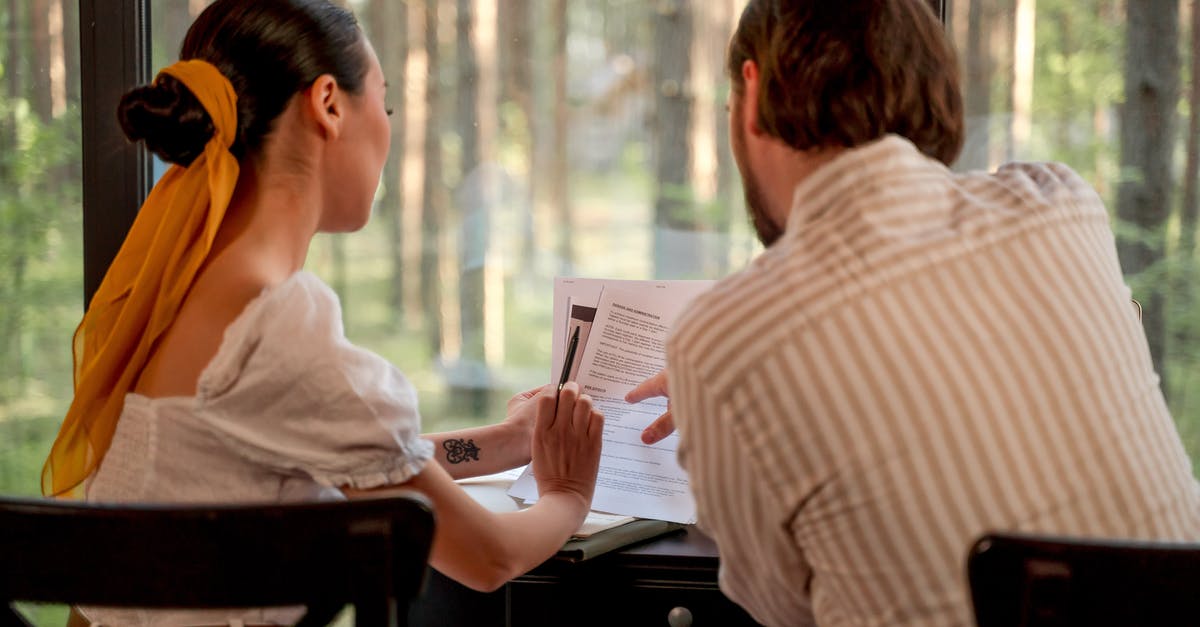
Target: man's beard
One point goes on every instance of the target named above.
(756, 202)
(766, 230)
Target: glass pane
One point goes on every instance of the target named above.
(1110, 88)
(41, 242)
(532, 138)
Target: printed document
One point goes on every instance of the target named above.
(626, 324)
(491, 491)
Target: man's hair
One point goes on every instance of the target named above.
(847, 73)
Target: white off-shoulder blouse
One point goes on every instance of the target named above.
(288, 410)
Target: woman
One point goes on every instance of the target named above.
(211, 367)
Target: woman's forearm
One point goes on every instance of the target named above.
(480, 450)
(484, 552)
(482, 549)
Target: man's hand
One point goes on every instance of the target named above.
(650, 388)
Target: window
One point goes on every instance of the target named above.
(41, 256)
(543, 137)
(1111, 88)
(530, 138)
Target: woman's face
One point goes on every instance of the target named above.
(362, 151)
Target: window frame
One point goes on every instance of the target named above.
(114, 42)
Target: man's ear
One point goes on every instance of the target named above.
(750, 94)
(324, 104)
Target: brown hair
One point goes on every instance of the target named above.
(847, 73)
(269, 50)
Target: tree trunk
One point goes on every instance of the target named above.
(12, 53)
(432, 197)
(515, 53)
(470, 381)
(1190, 207)
(70, 39)
(978, 97)
(1147, 138)
(726, 201)
(675, 251)
(559, 169)
(41, 87)
(387, 18)
(71, 48)
(1024, 43)
(1002, 30)
(1182, 291)
(14, 232)
(64, 36)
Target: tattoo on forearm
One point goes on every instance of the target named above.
(458, 451)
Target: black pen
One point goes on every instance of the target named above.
(566, 370)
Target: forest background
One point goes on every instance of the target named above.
(535, 138)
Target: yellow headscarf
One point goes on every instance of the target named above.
(145, 285)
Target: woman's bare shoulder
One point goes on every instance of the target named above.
(214, 302)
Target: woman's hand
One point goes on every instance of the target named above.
(521, 415)
(566, 443)
(664, 425)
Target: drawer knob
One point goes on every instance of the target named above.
(679, 617)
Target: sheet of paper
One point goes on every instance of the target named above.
(581, 316)
(505, 476)
(491, 491)
(626, 346)
(585, 292)
(596, 522)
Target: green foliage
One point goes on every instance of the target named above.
(24, 442)
(44, 614)
(1078, 70)
(41, 268)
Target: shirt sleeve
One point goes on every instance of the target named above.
(288, 391)
(761, 569)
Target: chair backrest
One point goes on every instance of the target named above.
(368, 552)
(1042, 581)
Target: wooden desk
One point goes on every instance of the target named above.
(639, 585)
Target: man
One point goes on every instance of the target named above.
(919, 356)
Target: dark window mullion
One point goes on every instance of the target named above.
(939, 8)
(114, 56)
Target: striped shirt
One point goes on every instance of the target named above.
(922, 357)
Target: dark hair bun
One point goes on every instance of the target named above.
(168, 117)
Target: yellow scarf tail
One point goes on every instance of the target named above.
(143, 289)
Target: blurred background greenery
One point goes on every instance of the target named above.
(536, 138)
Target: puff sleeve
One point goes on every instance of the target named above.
(288, 391)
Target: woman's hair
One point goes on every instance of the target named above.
(847, 73)
(269, 50)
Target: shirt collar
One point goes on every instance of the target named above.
(847, 175)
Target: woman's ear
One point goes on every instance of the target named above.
(324, 105)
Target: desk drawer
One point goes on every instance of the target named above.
(537, 603)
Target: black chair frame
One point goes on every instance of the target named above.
(371, 553)
(1048, 581)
